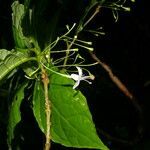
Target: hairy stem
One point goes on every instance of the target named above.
(45, 81)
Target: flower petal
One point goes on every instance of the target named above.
(76, 84)
(79, 71)
(75, 77)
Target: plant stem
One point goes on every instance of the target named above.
(67, 54)
(68, 48)
(118, 83)
(45, 81)
(93, 15)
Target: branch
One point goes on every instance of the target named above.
(123, 89)
(113, 77)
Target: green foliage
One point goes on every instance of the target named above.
(72, 123)
(36, 40)
(3, 54)
(14, 113)
(17, 16)
(39, 105)
(11, 60)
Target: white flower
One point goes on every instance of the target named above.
(78, 77)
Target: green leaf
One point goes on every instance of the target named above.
(11, 61)
(17, 17)
(3, 54)
(39, 106)
(72, 123)
(14, 113)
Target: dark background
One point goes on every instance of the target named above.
(125, 48)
